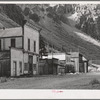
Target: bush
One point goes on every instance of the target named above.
(94, 81)
(26, 11)
(34, 17)
(3, 79)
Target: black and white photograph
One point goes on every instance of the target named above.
(50, 46)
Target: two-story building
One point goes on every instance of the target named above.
(79, 61)
(19, 50)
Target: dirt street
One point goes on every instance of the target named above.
(67, 81)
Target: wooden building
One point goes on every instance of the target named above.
(79, 62)
(48, 66)
(19, 50)
(63, 59)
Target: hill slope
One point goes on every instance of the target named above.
(57, 30)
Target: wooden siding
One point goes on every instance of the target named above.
(6, 43)
(47, 66)
(5, 67)
(33, 35)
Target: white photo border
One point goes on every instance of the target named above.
(49, 93)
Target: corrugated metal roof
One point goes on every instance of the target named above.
(8, 32)
(32, 24)
(8, 27)
(7, 22)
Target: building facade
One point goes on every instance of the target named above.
(79, 62)
(19, 50)
(63, 59)
(48, 66)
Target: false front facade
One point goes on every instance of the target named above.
(19, 51)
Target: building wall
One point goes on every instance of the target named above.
(16, 56)
(76, 64)
(75, 59)
(47, 66)
(5, 67)
(33, 35)
(6, 43)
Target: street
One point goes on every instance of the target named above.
(68, 81)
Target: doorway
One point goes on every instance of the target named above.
(30, 64)
(14, 68)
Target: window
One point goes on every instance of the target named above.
(28, 44)
(0, 44)
(12, 42)
(20, 66)
(34, 46)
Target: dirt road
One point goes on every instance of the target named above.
(80, 81)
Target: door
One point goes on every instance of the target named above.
(14, 68)
(30, 64)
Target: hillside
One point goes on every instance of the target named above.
(58, 27)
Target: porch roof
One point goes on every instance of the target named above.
(10, 32)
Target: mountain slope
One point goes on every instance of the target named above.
(73, 39)
(57, 30)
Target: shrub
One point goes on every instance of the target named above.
(26, 11)
(34, 17)
(3, 79)
(94, 81)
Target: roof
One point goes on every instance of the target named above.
(95, 65)
(4, 55)
(95, 62)
(8, 27)
(9, 32)
(7, 22)
(33, 25)
(74, 54)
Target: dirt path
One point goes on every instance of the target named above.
(50, 82)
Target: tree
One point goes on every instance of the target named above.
(26, 11)
(34, 17)
(42, 49)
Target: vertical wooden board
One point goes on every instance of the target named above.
(5, 67)
(81, 67)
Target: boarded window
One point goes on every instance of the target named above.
(20, 66)
(34, 46)
(28, 44)
(12, 42)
